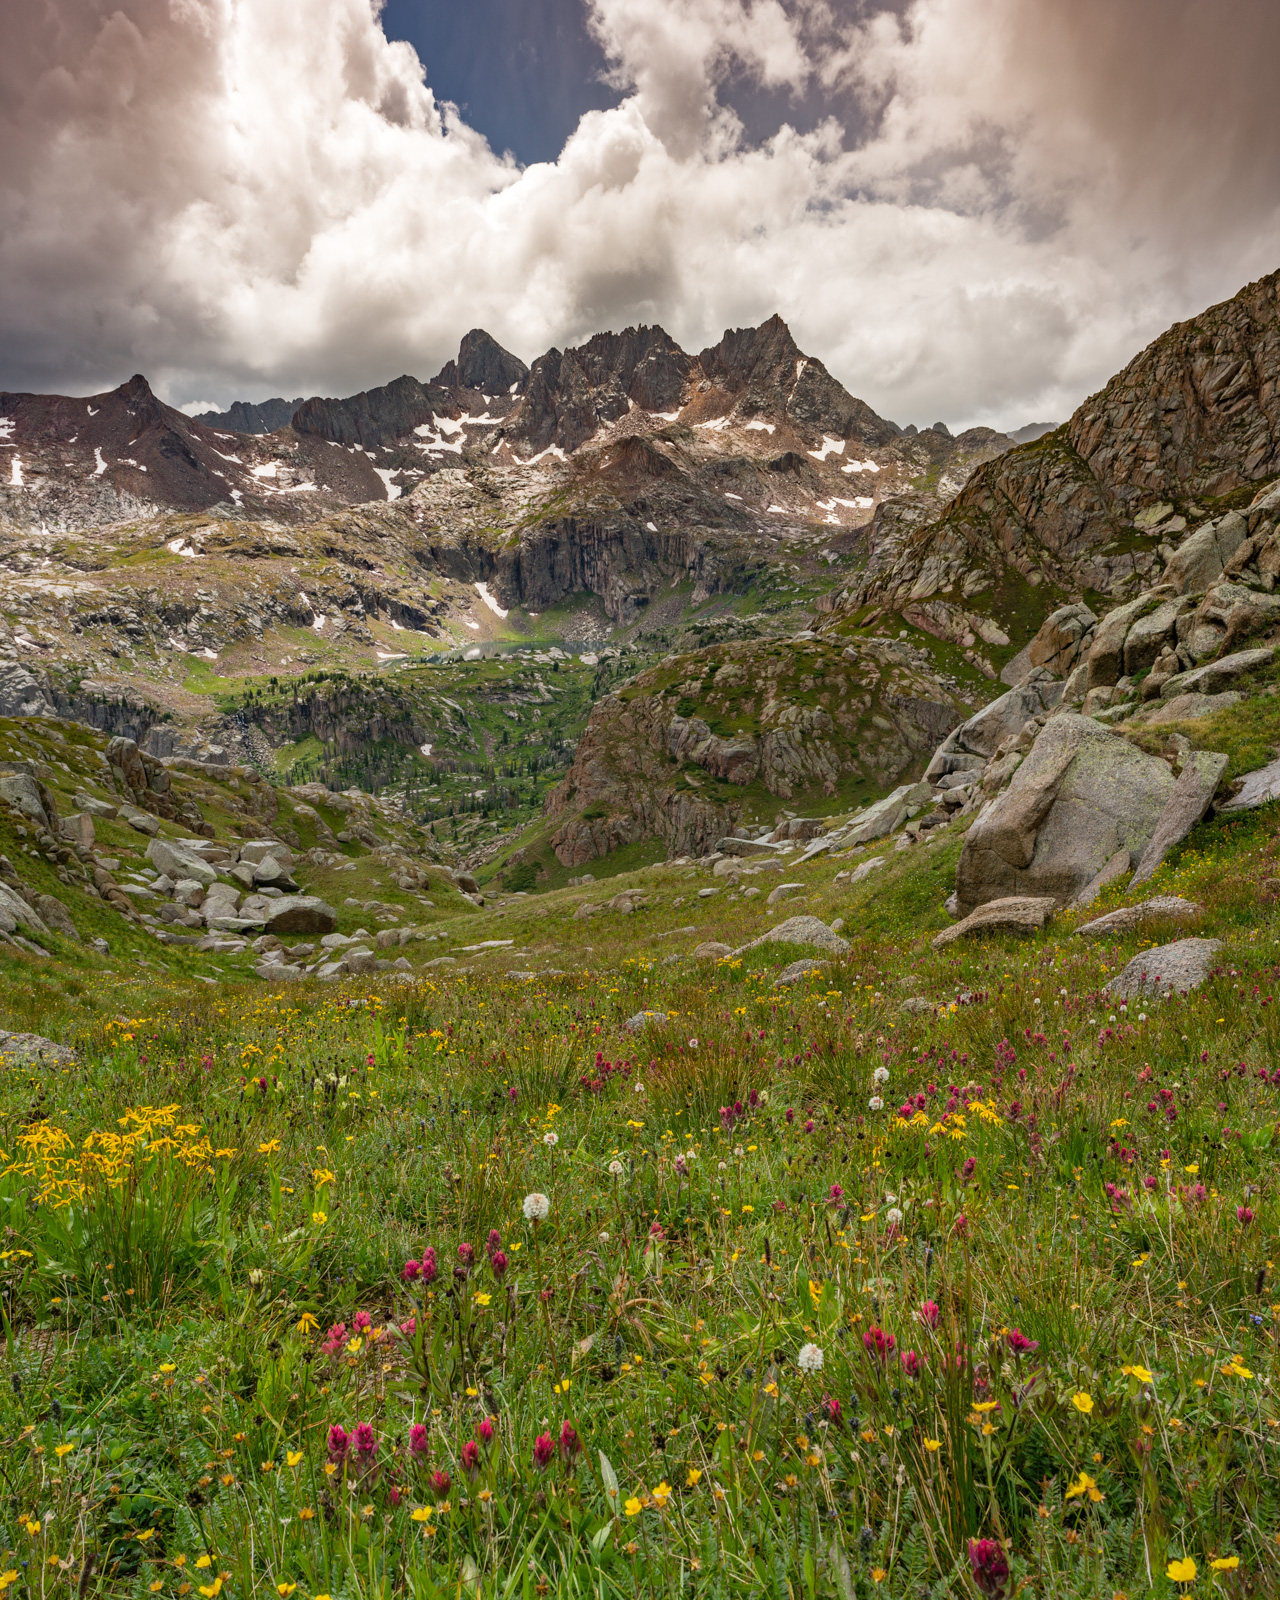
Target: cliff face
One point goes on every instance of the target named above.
(691, 748)
(1191, 419)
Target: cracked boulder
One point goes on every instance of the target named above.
(1082, 795)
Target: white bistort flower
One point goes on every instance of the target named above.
(616, 1169)
(881, 1075)
(875, 1103)
(810, 1358)
(537, 1208)
(893, 1216)
(551, 1139)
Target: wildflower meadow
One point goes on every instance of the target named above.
(645, 1279)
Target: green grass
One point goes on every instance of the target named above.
(198, 1407)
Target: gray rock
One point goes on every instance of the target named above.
(258, 850)
(917, 1005)
(303, 913)
(20, 787)
(734, 846)
(970, 746)
(174, 858)
(1063, 636)
(1106, 654)
(1216, 675)
(1199, 559)
(641, 1020)
(56, 916)
(337, 941)
(1019, 913)
(1118, 865)
(705, 894)
(22, 695)
(864, 869)
(1191, 797)
(1167, 969)
(1151, 633)
(1186, 708)
(712, 950)
(1081, 795)
(800, 930)
(1127, 917)
(270, 874)
(77, 829)
(357, 961)
(781, 892)
(19, 912)
(96, 808)
(799, 970)
(883, 817)
(26, 1048)
(274, 970)
(441, 961)
(1257, 788)
(139, 821)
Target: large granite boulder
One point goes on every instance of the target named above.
(969, 747)
(301, 913)
(1063, 636)
(1082, 794)
(1216, 676)
(1199, 559)
(177, 859)
(21, 788)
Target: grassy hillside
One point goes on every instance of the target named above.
(834, 1278)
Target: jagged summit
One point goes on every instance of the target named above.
(750, 430)
(252, 416)
(482, 366)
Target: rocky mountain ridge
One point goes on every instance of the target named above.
(1096, 505)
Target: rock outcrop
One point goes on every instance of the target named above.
(1195, 414)
(1081, 795)
(667, 756)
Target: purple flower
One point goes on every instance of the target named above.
(543, 1450)
(339, 1442)
(990, 1566)
(419, 1440)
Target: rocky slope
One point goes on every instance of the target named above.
(704, 742)
(1096, 505)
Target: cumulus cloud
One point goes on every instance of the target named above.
(997, 202)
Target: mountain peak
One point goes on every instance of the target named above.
(484, 366)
